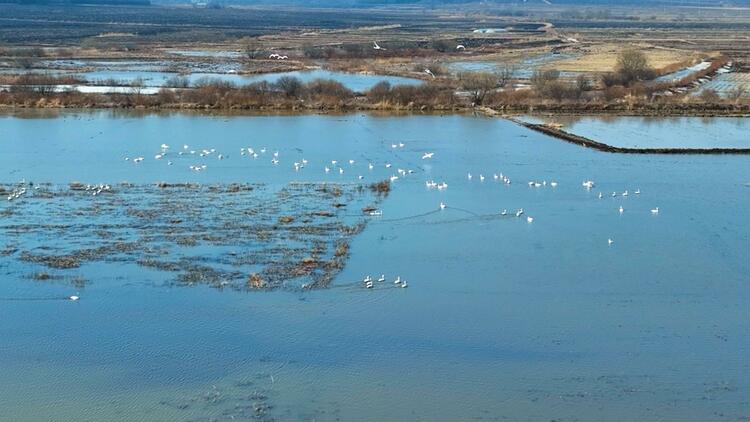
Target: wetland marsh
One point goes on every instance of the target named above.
(503, 318)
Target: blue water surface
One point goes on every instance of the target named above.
(503, 319)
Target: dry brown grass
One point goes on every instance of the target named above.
(603, 58)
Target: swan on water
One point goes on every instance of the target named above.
(655, 210)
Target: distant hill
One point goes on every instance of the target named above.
(433, 3)
(81, 2)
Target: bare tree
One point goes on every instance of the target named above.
(737, 93)
(289, 85)
(710, 96)
(479, 84)
(583, 84)
(252, 47)
(542, 78)
(632, 66)
(505, 76)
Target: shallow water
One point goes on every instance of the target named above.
(225, 54)
(196, 66)
(682, 73)
(152, 80)
(502, 319)
(658, 132)
(353, 81)
(727, 85)
(523, 69)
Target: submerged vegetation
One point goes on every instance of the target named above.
(225, 236)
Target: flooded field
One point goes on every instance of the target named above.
(149, 79)
(582, 312)
(524, 68)
(224, 54)
(187, 65)
(729, 85)
(682, 73)
(657, 132)
(353, 81)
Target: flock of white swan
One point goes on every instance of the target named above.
(341, 167)
(345, 166)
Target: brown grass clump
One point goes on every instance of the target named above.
(381, 188)
(286, 219)
(255, 281)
